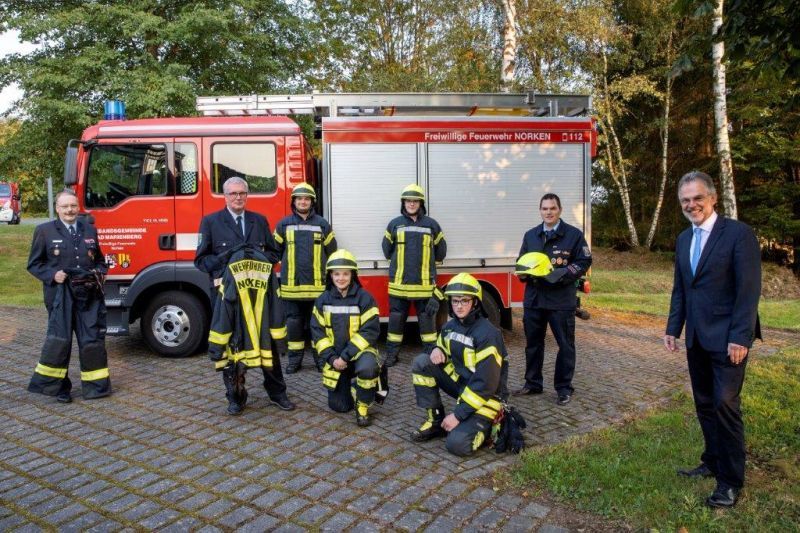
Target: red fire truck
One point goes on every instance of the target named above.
(9, 203)
(484, 161)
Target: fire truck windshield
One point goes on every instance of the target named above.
(5, 190)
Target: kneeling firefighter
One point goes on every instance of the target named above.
(344, 328)
(469, 363)
(247, 324)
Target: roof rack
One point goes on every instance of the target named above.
(396, 104)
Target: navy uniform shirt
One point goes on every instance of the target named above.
(566, 248)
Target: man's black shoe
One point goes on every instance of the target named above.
(564, 399)
(64, 397)
(525, 391)
(292, 368)
(723, 497)
(235, 409)
(283, 403)
(699, 471)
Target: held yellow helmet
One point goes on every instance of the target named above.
(304, 189)
(534, 264)
(413, 192)
(465, 285)
(341, 260)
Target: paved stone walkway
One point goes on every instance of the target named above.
(162, 454)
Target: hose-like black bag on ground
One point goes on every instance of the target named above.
(507, 431)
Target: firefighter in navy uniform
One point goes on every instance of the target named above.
(66, 257)
(469, 363)
(305, 240)
(413, 244)
(344, 327)
(552, 299)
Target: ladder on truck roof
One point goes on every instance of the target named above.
(393, 104)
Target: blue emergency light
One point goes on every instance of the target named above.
(114, 110)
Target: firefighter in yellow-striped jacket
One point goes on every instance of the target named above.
(413, 244)
(469, 363)
(304, 240)
(246, 326)
(344, 327)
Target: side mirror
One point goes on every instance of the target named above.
(71, 163)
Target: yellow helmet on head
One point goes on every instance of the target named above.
(304, 189)
(341, 260)
(413, 192)
(534, 264)
(465, 285)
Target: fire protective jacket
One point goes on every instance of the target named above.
(304, 246)
(413, 248)
(345, 326)
(475, 354)
(248, 315)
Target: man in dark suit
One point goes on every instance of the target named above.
(715, 295)
(66, 257)
(221, 232)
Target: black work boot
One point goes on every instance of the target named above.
(295, 362)
(362, 414)
(392, 352)
(431, 428)
(236, 402)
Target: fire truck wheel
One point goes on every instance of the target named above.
(491, 308)
(174, 324)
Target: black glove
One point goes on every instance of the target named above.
(556, 275)
(432, 306)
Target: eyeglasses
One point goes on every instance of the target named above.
(236, 194)
(460, 301)
(696, 199)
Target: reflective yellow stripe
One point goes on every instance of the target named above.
(450, 370)
(355, 325)
(278, 333)
(486, 352)
(472, 399)
(478, 440)
(301, 292)
(428, 337)
(410, 291)
(401, 257)
(423, 381)
(367, 383)
(360, 342)
(50, 371)
(94, 375)
(328, 239)
(469, 358)
(394, 337)
(323, 344)
(277, 237)
(320, 317)
(297, 345)
(388, 236)
(330, 376)
(218, 338)
(442, 346)
(317, 265)
(369, 313)
(425, 267)
(266, 358)
(290, 258)
(222, 363)
(438, 294)
(439, 238)
(490, 409)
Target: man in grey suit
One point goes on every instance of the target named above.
(715, 296)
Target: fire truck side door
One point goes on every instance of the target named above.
(188, 199)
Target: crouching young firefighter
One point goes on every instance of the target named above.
(246, 325)
(304, 240)
(66, 257)
(413, 244)
(344, 327)
(470, 364)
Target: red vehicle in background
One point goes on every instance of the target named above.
(9, 202)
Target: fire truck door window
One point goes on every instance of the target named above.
(186, 166)
(255, 162)
(5, 189)
(121, 170)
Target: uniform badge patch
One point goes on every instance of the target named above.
(559, 261)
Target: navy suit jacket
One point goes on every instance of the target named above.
(219, 234)
(719, 303)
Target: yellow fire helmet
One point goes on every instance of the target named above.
(413, 192)
(341, 260)
(304, 189)
(464, 284)
(534, 264)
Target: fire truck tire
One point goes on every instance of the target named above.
(492, 308)
(174, 324)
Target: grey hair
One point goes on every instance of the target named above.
(696, 175)
(234, 180)
(64, 192)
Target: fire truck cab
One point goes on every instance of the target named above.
(147, 183)
(10, 203)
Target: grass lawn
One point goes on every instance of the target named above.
(19, 287)
(628, 472)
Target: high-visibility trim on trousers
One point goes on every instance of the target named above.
(95, 375)
(50, 371)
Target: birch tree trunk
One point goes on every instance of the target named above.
(509, 45)
(664, 148)
(721, 115)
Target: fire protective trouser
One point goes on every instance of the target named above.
(87, 318)
(429, 379)
(364, 368)
(298, 318)
(398, 314)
